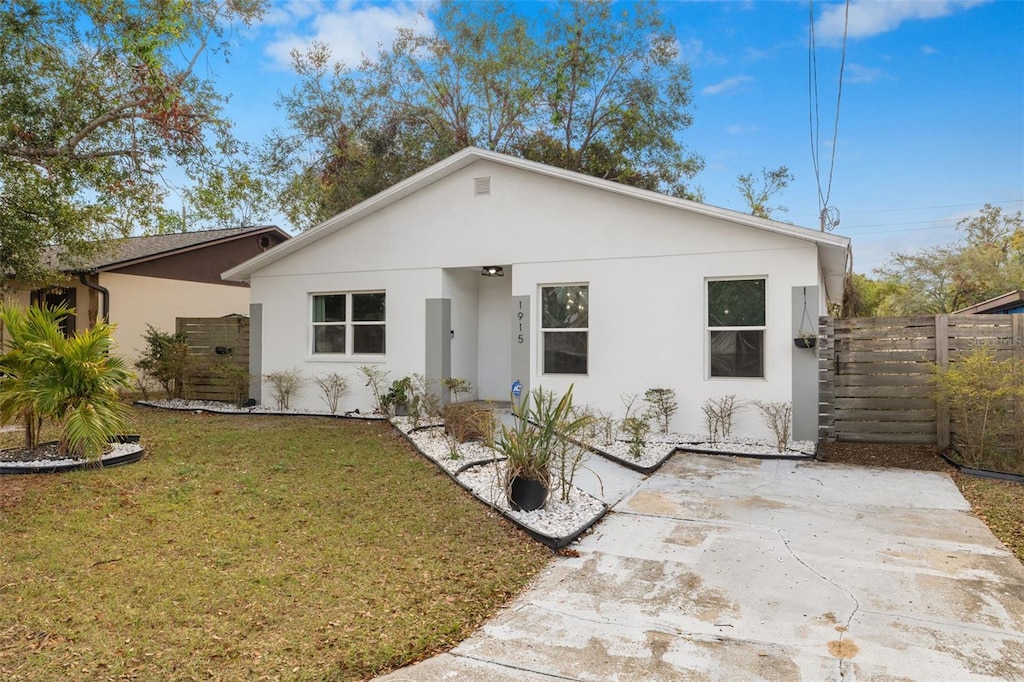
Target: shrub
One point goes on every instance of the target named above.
(457, 387)
(168, 359)
(236, 377)
(661, 405)
(376, 378)
(333, 388)
(635, 426)
(72, 381)
(718, 417)
(284, 384)
(469, 421)
(779, 418)
(986, 405)
(532, 443)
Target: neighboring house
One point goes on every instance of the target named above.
(499, 270)
(1007, 304)
(154, 280)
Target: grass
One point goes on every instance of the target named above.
(247, 548)
(1000, 504)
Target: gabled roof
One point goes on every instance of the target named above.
(132, 250)
(1011, 300)
(833, 249)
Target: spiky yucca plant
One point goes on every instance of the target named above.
(72, 381)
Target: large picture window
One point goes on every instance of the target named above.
(349, 323)
(565, 319)
(736, 327)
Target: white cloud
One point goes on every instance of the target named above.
(351, 29)
(872, 17)
(858, 73)
(741, 130)
(928, 50)
(694, 53)
(726, 86)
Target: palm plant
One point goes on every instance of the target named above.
(72, 381)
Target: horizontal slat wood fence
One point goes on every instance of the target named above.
(877, 375)
(216, 341)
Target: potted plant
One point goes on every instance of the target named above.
(805, 340)
(531, 444)
(396, 400)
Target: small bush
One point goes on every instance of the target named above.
(469, 421)
(284, 384)
(779, 418)
(718, 417)
(637, 430)
(168, 360)
(457, 387)
(661, 405)
(236, 377)
(333, 388)
(376, 379)
(986, 406)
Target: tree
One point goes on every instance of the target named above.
(989, 261)
(589, 87)
(758, 191)
(73, 381)
(97, 98)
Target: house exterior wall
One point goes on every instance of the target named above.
(646, 266)
(138, 301)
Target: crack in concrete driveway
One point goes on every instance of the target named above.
(721, 569)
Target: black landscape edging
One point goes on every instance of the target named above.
(993, 474)
(633, 466)
(554, 543)
(103, 463)
(263, 413)
(747, 455)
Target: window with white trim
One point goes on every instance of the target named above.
(350, 323)
(565, 321)
(736, 327)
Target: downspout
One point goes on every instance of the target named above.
(103, 290)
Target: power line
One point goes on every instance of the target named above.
(829, 215)
(927, 208)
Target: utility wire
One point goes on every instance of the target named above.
(829, 215)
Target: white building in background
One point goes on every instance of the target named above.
(496, 269)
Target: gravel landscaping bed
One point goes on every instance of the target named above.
(228, 408)
(481, 470)
(660, 446)
(45, 458)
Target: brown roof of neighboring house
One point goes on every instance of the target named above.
(137, 249)
(1011, 299)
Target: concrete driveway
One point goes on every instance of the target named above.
(717, 568)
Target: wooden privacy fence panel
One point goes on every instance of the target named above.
(216, 341)
(876, 375)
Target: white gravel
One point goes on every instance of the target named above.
(116, 450)
(557, 519)
(228, 408)
(660, 445)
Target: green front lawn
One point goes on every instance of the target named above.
(247, 548)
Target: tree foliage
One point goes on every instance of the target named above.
(986, 262)
(590, 86)
(757, 192)
(97, 99)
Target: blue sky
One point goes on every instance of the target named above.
(931, 122)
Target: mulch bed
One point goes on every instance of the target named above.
(891, 455)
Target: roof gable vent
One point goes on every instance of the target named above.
(482, 186)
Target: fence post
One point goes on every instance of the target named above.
(942, 362)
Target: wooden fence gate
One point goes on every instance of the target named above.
(216, 341)
(877, 374)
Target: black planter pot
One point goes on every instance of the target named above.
(401, 410)
(527, 494)
(805, 341)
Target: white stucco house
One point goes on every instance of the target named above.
(497, 270)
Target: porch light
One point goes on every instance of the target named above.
(492, 271)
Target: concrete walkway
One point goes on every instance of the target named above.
(717, 568)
